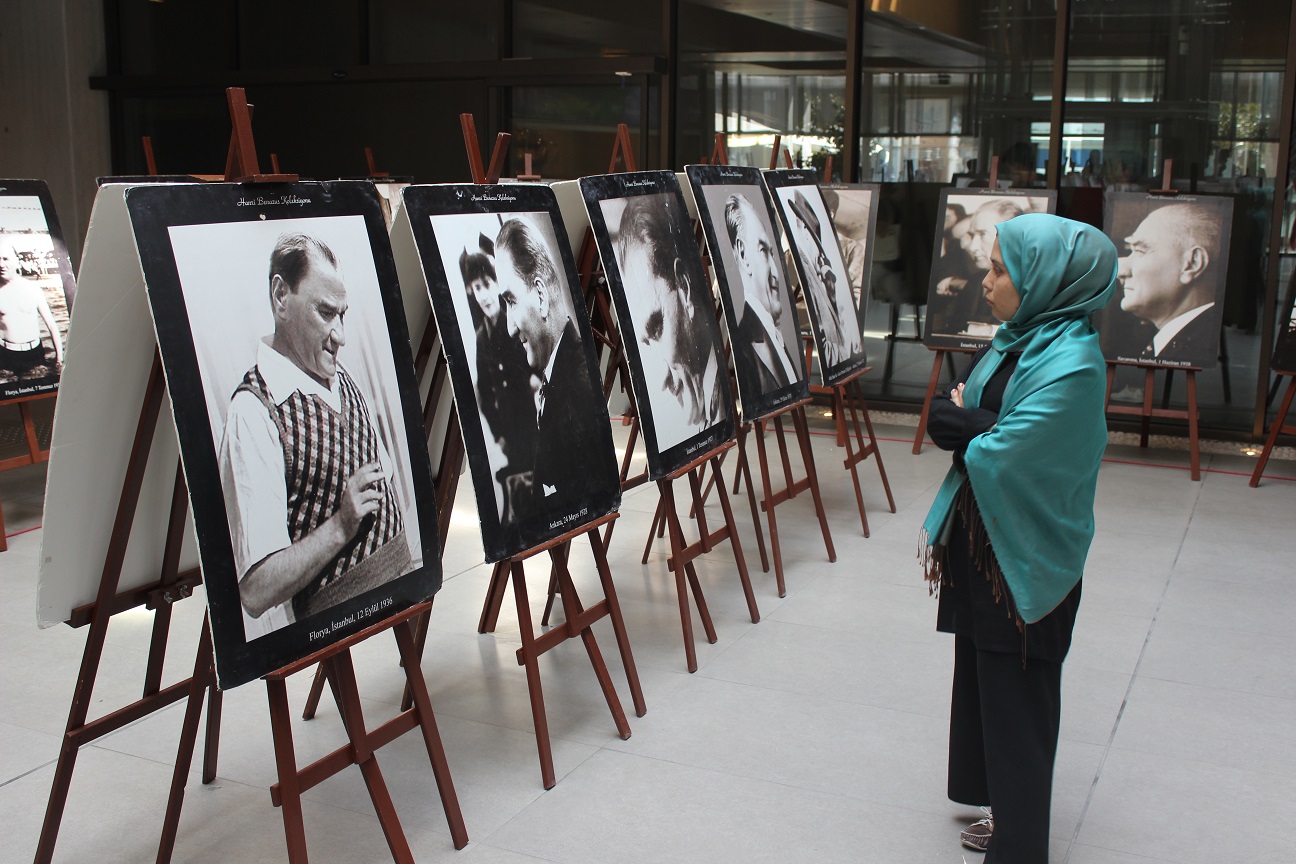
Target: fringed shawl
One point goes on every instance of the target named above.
(1035, 473)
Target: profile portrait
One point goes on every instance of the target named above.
(665, 310)
(957, 314)
(821, 272)
(516, 336)
(759, 308)
(1172, 269)
(36, 291)
(282, 365)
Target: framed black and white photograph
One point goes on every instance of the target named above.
(1284, 355)
(665, 314)
(36, 291)
(516, 335)
(287, 358)
(853, 209)
(821, 271)
(1173, 263)
(755, 291)
(957, 314)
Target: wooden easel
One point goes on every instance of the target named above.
(158, 596)
(1279, 426)
(452, 449)
(1146, 412)
(374, 173)
(849, 407)
(170, 586)
(578, 622)
(666, 519)
(34, 455)
(340, 670)
(335, 661)
(942, 355)
(683, 554)
(791, 487)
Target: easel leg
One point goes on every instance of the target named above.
(840, 398)
(420, 643)
(802, 427)
(744, 467)
(211, 747)
(573, 610)
(528, 658)
(927, 399)
(873, 443)
(685, 579)
(202, 675)
(727, 510)
(767, 504)
(494, 598)
(407, 640)
(286, 763)
(654, 532)
(342, 680)
(1194, 445)
(1279, 420)
(316, 691)
(1145, 423)
(618, 623)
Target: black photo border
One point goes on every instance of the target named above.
(422, 203)
(155, 209)
(755, 406)
(808, 179)
(18, 391)
(595, 190)
(1105, 319)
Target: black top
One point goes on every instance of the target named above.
(968, 606)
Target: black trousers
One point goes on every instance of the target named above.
(1003, 740)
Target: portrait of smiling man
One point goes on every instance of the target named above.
(308, 484)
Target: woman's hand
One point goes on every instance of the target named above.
(956, 395)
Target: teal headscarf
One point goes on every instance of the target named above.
(1035, 473)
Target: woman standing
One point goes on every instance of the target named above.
(1012, 523)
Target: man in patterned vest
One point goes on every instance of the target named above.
(313, 514)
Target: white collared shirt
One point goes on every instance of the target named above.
(776, 337)
(1172, 327)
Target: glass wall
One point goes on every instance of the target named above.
(944, 87)
(1196, 82)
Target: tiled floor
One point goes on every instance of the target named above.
(817, 735)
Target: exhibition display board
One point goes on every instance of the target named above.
(958, 319)
(497, 267)
(1174, 260)
(517, 337)
(294, 396)
(821, 272)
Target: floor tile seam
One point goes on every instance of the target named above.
(1134, 675)
(17, 777)
(1256, 770)
(1234, 690)
(1124, 852)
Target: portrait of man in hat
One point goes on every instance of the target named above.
(822, 274)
